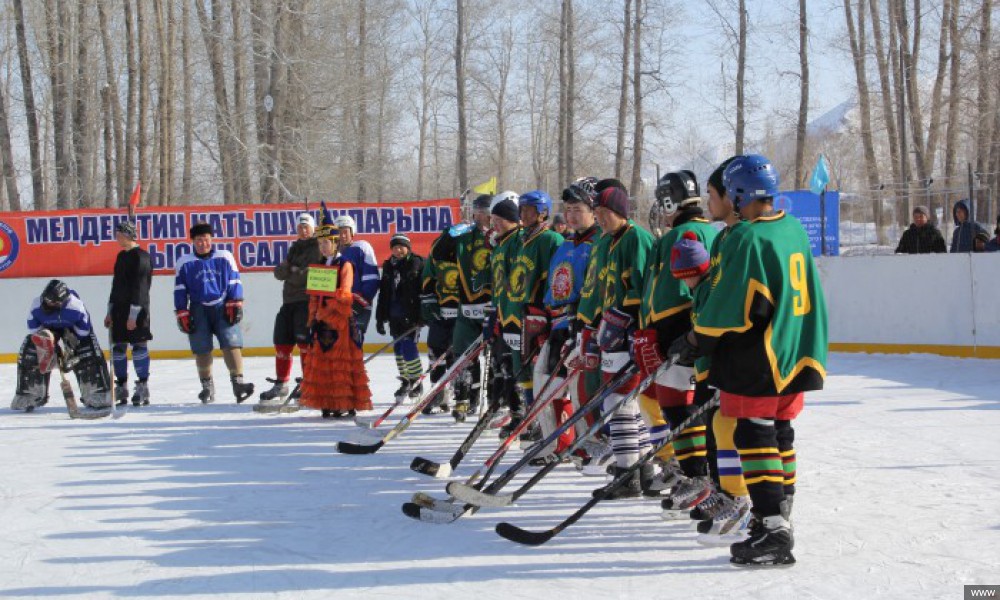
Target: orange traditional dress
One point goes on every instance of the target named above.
(334, 377)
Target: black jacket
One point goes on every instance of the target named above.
(399, 290)
(921, 240)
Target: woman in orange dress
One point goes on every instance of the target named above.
(334, 379)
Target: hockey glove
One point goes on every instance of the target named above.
(684, 350)
(234, 311)
(613, 331)
(429, 309)
(184, 320)
(380, 327)
(586, 355)
(646, 351)
(536, 328)
(360, 304)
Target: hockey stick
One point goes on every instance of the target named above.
(378, 421)
(471, 353)
(274, 410)
(537, 538)
(502, 500)
(390, 343)
(70, 397)
(419, 502)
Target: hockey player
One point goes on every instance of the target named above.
(208, 301)
(128, 315)
(567, 271)
(439, 310)
(58, 322)
(291, 324)
(764, 326)
(335, 380)
(528, 283)
(501, 328)
(399, 306)
(471, 249)
(622, 273)
(665, 314)
(361, 255)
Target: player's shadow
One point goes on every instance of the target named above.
(267, 505)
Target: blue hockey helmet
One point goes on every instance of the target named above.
(748, 178)
(538, 199)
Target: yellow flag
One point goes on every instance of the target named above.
(490, 187)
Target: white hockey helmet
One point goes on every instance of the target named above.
(346, 221)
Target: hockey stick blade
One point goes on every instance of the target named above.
(352, 448)
(90, 416)
(426, 466)
(432, 503)
(523, 536)
(471, 495)
(420, 513)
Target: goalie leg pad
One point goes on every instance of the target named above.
(92, 374)
(32, 385)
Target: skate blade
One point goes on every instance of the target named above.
(674, 515)
(779, 561)
(717, 541)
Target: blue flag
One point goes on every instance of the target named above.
(820, 176)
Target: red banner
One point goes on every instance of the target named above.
(82, 242)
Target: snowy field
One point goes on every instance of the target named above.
(898, 498)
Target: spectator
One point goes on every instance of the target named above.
(979, 243)
(921, 237)
(965, 229)
(994, 244)
(559, 226)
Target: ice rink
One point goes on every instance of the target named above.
(898, 496)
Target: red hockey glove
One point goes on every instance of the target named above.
(184, 320)
(613, 331)
(536, 328)
(646, 351)
(234, 311)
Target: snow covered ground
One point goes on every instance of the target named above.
(898, 496)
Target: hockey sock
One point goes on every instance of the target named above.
(657, 425)
(690, 441)
(757, 443)
(408, 358)
(119, 359)
(204, 364)
(786, 437)
(303, 351)
(624, 430)
(283, 361)
(400, 362)
(728, 459)
(140, 360)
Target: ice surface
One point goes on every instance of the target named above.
(898, 498)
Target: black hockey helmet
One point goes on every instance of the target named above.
(677, 189)
(55, 295)
(482, 202)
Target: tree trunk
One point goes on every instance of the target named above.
(241, 158)
(570, 94)
(741, 67)
(984, 118)
(142, 144)
(561, 119)
(7, 155)
(109, 146)
(54, 19)
(164, 29)
(188, 116)
(800, 129)
(82, 146)
(31, 114)
(909, 57)
(896, 71)
(856, 36)
(888, 113)
(637, 133)
(623, 91)
(362, 104)
(110, 102)
(934, 127)
(463, 141)
(128, 174)
(211, 29)
(954, 93)
(261, 55)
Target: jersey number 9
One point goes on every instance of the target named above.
(801, 305)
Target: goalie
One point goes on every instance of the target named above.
(59, 324)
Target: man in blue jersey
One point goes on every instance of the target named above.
(58, 322)
(366, 277)
(208, 301)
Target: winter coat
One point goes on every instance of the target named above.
(293, 271)
(965, 233)
(921, 240)
(399, 290)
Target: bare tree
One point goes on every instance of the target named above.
(128, 173)
(463, 134)
(984, 116)
(623, 90)
(240, 146)
(211, 29)
(362, 103)
(7, 155)
(638, 126)
(112, 106)
(888, 113)
(803, 122)
(165, 106)
(954, 90)
(187, 114)
(81, 130)
(741, 68)
(30, 112)
(55, 28)
(142, 47)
